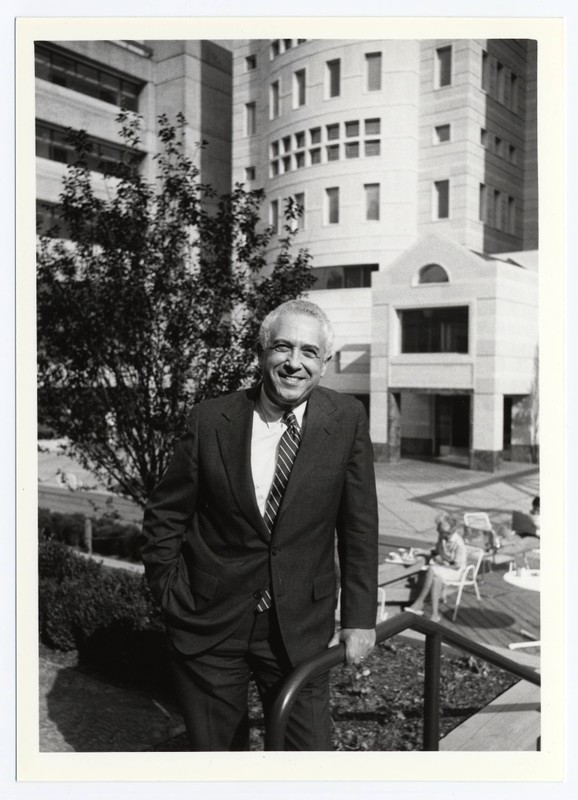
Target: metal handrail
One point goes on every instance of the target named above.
(435, 635)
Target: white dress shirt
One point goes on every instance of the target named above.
(268, 429)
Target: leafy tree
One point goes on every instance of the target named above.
(151, 303)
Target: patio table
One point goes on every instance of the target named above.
(528, 579)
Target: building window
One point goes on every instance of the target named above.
(66, 70)
(250, 119)
(300, 217)
(483, 202)
(250, 63)
(497, 209)
(315, 156)
(333, 131)
(433, 273)
(372, 127)
(373, 71)
(499, 146)
(299, 160)
(483, 137)
(286, 163)
(500, 82)
(352, 150)
(299, 140)
(372, 147)
(350, 276)
(512, 154)
(274, 108)
(333, 152)
(275, 48)
(315, 135)
(274, 149)
(511, 216)
(434, 330)
(288, 44)
(334, 77)
(274, 215)
(443, 62)
(352, 129)
(274, 169)
(441, 199)
(332, 205)
(286, 144)
(250, 173)
(441, 134)
(514, 92)
(371, 201)
(299, 89)
(54, 144)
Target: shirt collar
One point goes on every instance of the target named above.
(272, 413)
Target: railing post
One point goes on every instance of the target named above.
(431, 695)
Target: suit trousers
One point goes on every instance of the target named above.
(212, 689)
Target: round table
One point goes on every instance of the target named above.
(524, 579)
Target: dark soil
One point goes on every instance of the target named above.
(381, 706)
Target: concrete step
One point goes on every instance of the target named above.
(510, 722)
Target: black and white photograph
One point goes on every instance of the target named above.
(293, 366)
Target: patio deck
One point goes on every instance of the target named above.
(497, 620)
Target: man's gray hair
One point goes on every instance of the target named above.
(298, 306)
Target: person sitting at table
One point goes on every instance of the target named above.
(448, 560)
(519, 542)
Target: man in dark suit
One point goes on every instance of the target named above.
(239, 539)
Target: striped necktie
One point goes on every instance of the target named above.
(288, 447)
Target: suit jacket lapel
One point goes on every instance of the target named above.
(234, 437)
(319, 427)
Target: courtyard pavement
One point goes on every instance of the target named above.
(410, 495)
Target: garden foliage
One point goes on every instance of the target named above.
(149, 297)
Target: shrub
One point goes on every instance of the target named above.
(109, 536)
(108, 615)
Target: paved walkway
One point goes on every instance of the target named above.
(410, 495)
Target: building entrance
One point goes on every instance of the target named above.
(452, 425)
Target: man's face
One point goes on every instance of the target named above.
(295, 360)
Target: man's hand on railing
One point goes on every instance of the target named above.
(359, 642)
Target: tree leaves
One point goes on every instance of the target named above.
(152, 304)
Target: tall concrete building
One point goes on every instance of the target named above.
(415, 162)
(84, 84)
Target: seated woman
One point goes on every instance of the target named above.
(517, 543)
(447, 563)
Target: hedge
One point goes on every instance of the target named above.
(109, 536)
(108, 615)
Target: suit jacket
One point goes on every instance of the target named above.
(207, 551)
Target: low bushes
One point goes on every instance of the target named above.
(108, 616)
(109, 536)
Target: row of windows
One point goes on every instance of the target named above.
(53, 143)
(497, 209)
(333, 132)
(66, 70)
(499, 146)
(372, 83)
(497, 80)
(318, 155)
(279, 46)
(500, 82)
(372, 199)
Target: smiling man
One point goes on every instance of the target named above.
(239, 539)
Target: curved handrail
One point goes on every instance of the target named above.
(435, 634)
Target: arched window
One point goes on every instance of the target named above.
(433, 273)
